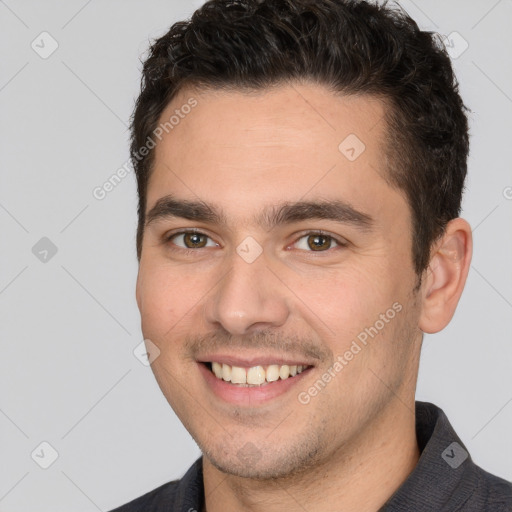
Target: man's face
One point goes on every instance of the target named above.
(262, 286)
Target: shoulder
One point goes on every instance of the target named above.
(184, 493)
(160, 499)
(491, 493)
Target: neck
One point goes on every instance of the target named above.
(360, 476)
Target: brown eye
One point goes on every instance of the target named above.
(190, 240)
(318, 241)
(194, 240)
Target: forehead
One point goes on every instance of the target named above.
(288, 143)
(288, 117)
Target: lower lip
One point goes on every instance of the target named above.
(249, 396)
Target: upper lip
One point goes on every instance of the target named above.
(256, 360)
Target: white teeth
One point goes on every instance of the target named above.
(272, 373)
(226, 372)
(238, 375)
(217, 369)
(256, 375)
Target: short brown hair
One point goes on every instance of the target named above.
(350, 46)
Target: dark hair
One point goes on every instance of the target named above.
(351, 47)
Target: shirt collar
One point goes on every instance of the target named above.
(445, 476)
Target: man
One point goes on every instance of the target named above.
(300, 169)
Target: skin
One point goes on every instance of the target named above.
(354, 443)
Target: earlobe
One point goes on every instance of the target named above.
(445, 277)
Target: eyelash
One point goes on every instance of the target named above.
(187, 251)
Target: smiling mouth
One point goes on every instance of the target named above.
(256, 375)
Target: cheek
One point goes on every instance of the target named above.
(344, 300)
(356, 308)
(165, 297)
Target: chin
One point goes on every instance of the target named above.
(269, 463)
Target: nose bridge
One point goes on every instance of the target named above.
(248, 294)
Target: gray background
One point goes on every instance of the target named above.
(69, 325)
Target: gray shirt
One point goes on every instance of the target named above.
(444, 480)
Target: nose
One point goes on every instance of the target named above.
(249, 297)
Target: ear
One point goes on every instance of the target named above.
(446, 275)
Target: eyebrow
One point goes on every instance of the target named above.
(168, 207)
